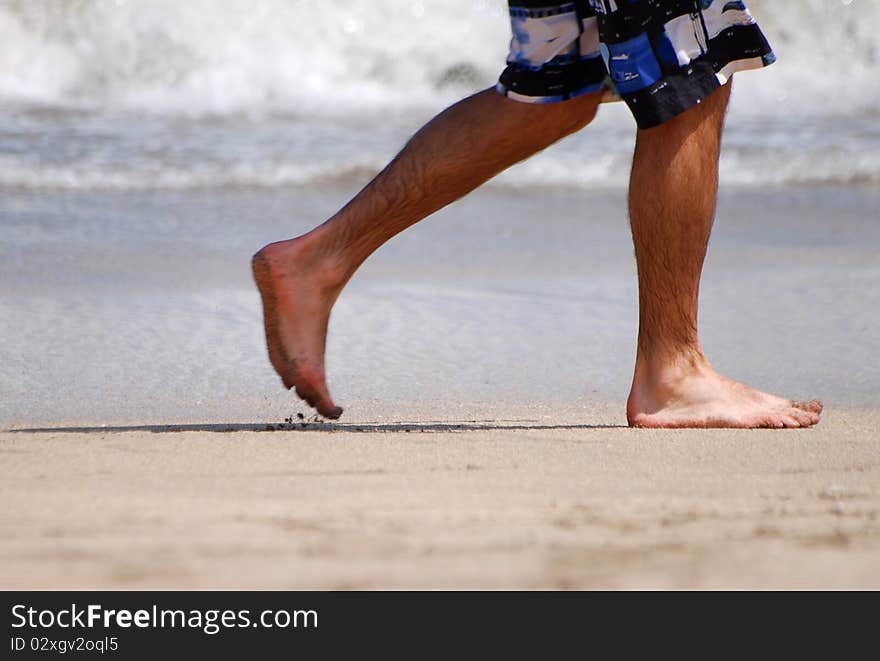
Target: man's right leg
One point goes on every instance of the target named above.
(672, 204)
(469, 143)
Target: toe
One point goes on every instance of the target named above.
(321, 402)
(771, 422)
(790, 421)
(804, 418)
(813, 406)
(330, 411)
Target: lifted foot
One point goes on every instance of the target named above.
(298, 291)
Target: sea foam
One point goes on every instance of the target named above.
(125, 94)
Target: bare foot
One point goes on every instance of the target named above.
(298, 291)
(695, 395)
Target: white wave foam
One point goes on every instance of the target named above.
(739, 167)
(269, 93)
(230, 56)
(356, 56)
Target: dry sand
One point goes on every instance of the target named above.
(542, 499)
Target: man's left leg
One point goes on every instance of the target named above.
(300, 279)
(672, 203)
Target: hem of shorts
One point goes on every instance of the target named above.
(724, 74)
(556, 98)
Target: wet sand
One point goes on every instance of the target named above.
(140, 308)
(513, 309)
(540, 499)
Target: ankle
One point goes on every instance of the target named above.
(666, 369)
(662, 379)
(306, 254)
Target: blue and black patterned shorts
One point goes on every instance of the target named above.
(661, 56)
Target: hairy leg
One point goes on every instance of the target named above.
(672, 204)
(467, 144)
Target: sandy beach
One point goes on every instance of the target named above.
(483, 366)
(549, 499)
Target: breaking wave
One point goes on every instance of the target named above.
(127, 94)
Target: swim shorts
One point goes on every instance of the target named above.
(660, 56)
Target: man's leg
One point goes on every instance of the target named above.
(300, 279)
(672, 203)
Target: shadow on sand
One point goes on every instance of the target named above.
(311, 425)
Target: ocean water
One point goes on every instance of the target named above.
(159, 94)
